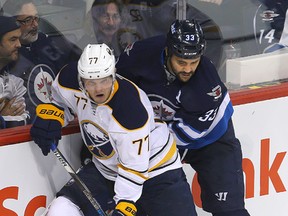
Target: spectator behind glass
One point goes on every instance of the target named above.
(12, 103)
(152, 18)
(283, 42)
(107, 22)
(41, 56)
(274, 15)
(263, 22)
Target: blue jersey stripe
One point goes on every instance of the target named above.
(188, 137)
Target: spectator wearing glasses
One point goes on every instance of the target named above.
(41, 56)
(29, 28)
(12, 90)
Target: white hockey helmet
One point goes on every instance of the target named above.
(96, 62)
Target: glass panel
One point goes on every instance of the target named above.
(243, 37)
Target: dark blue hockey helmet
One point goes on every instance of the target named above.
(185, 39)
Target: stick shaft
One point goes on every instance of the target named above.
(79, 182)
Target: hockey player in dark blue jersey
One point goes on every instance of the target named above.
(186, 92)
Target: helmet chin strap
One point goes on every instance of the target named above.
(112, 91)
(84, 91)
(170, 75)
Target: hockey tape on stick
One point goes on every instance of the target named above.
(79, 182)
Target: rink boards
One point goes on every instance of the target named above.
(29, 180)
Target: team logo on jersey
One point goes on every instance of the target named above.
(268, 15)
(163, 109)
(97, 140)
(216, 92)
(39, 84)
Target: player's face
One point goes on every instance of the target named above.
(29, 21)
(109, 21)
(9, 46)
(184, 69)
(99, 89)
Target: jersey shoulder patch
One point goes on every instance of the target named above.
(127, 106)
(68, 76)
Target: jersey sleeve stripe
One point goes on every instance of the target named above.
(185, 135)
(138, 173)
(170, 154)
(130, 180)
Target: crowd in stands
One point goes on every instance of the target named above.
(119, 23)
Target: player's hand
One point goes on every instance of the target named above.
(11, 108)
(47, 126)
(125, 208)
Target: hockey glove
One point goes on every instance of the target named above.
(125, 208)
(47, 126)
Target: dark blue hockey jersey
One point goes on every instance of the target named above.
(197, 112)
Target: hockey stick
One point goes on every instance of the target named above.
(79, 182)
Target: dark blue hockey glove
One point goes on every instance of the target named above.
(125, 208)
(47, 126)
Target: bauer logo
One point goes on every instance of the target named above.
(52, 113)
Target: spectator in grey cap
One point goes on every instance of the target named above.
(12, 90)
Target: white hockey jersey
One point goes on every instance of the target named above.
(128, 146)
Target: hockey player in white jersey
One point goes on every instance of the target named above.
(136, 169)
